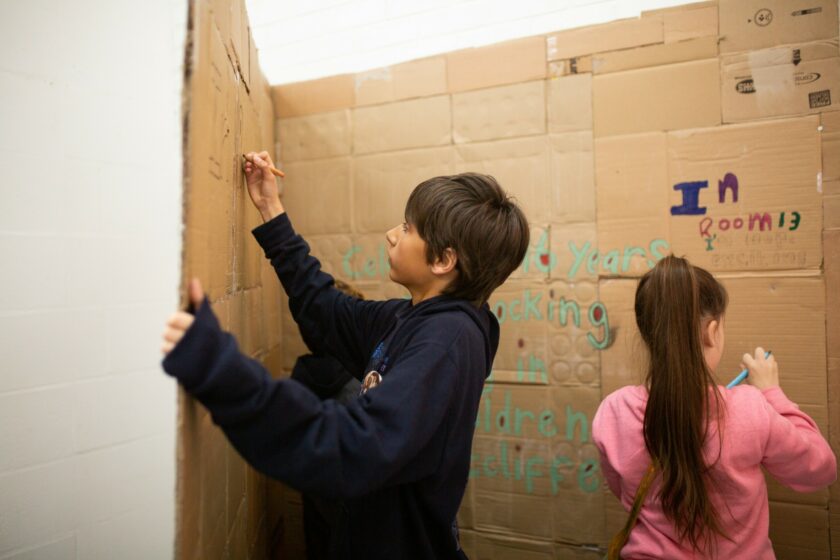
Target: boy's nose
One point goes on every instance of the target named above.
(391, 236)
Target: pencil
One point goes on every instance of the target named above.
(743, 375)
(274, 171)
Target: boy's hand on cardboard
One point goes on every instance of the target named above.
(180, 321)
(764, 372)
(262, 185)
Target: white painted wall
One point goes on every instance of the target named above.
(307, 39)
(90, 242)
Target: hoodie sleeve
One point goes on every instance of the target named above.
(795, 452)
(393, 434)
(330, 321)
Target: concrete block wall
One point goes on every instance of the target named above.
(90, 243)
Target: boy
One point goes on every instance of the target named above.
(326, 377)
(398, 456)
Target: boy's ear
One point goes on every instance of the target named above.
(446, 263)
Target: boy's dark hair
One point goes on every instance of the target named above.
(471, 214)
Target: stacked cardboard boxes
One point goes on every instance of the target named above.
(707, 130)
(227, 111)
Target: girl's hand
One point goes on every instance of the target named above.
(764, 372)
(262, 185)
(180, 321)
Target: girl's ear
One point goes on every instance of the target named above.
(446, 263)
(710, 330)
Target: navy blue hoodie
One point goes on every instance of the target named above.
(399, 456)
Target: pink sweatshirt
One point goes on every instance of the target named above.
(759, 429)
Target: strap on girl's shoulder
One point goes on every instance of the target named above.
(620, 538)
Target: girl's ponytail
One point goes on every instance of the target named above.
(672, 302)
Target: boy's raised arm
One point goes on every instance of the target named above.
(330, 321)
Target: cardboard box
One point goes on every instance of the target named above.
(308, 184)
(611, 36)
(655, 55)
(830, 138)
(573, 252)
(788, 80)
(831, 205)
(519, 165)
(799, 303)
(374, 86)
(550, 333)
(775, 220)
(500, 112)
(317, 136)
(383, 182)
(570, 66)
(418, 78)
(569, 102)
(632, 203)
(572, 177)
(367, 262)
(504, 63)
(799, 532)
(682, 25)
(484, 546)
(315, 96)
(756, 24)
(401, 125)
(667, 97)
(625, 361)
(335, 253)
(533, 456)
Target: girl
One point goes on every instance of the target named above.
(708, 496)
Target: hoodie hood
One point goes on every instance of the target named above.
(483, 318)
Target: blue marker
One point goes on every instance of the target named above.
(743, 375)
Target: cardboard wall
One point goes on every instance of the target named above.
(227, 111)
(708, 130)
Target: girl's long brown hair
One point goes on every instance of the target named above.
(672, 302)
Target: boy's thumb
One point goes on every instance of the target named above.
(196, 292)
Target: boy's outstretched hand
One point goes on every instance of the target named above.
(180, 321)
(262, 185)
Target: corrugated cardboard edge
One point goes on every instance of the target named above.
(510, 62)
(185, 405)
(243, 537)
(654, 55)
(614, 35)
